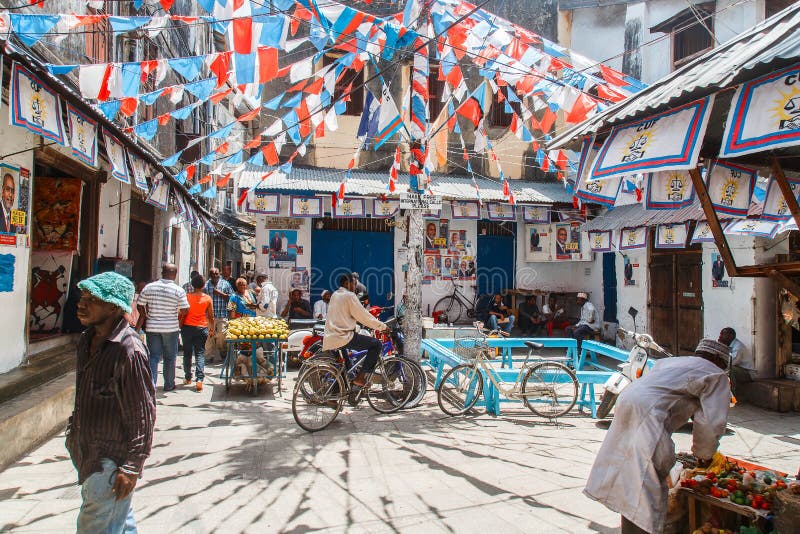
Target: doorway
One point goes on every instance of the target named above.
(495, 269)
(676, 298)
(140, 250)
(365, 246)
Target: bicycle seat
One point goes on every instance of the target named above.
(534, 345)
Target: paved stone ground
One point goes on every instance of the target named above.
(233, 463)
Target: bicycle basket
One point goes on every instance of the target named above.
(468, 348)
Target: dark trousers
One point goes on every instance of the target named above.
(579, 332)
(373, 347)
(194, 342)
(527, 324)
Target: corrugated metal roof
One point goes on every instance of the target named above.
(769, 45)
(324, 180)
(635, 215)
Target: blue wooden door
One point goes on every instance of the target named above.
(495, 269)
(335, 252)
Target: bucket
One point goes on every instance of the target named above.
(427, 322)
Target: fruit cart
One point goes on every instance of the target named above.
(732, 496)
(247, 334)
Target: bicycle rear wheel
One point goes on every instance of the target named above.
(550, 389)
(317, 398)
(392, 385)
(451, 307)
(420, 382)
(460, 389)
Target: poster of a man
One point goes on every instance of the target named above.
(568, 241)
(561, 243)
(14, 201)
(432, 267)
(718, 271)
(283, 249)
(430, 236)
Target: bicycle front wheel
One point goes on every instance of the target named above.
(420, 382)
(550, 389)
(460, 389)
(451, 307)
(317, 398)
(392, 385)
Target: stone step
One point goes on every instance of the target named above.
(775, 394)
(37, 370)
(31, 418)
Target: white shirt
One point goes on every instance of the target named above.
(320, 309)
(344, 311)
(741, 356)
(267, 300)
(588, 315)
(638, 452)
(546, 311)
(162, 300)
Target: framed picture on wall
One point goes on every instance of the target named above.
(303, 206)
(538, 239)
(466, 209)
(536, 214)
(349, 208)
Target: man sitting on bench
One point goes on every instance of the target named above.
(554, 315)
(588, 324)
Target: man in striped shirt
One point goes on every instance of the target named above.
(110, 432)
(161, 305)
(220, 291)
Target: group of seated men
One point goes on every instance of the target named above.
(532, 321)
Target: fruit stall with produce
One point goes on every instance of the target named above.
(254, 351)
(733, 496)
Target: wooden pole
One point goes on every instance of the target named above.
(786, 189)
(713, 222)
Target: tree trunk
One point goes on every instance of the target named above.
(412, 325)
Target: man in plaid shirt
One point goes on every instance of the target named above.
(220, 291)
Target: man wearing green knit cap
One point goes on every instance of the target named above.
(110, 432)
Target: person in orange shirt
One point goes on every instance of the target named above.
(194, 331)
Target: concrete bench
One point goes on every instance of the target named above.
(592, 349)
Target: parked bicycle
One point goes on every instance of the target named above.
(546, 385)
(326, 383)
(457, 305)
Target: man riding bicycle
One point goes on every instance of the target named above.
(344, 311)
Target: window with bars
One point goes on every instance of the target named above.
(348, 80)
(498, 116)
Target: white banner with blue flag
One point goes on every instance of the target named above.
(775, 207)
(159, 193)
(116, 156)
(82, 136)
(668, 190)
(34, 105)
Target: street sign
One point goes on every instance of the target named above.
(417, 201)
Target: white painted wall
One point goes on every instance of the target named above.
(606, 38)
(115, 209)
(14, 304)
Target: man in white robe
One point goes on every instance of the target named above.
(630, 472)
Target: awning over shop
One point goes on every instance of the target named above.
(309, 180)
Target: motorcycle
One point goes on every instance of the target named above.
(299, 331)
(633, 368)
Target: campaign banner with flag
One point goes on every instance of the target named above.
(600, 191)
(82, 136)
(536, 214)
(752, 227)
(600, 241)
(765, 114)
(730, 187)
(669, 190)
(389, 121)
(301, 206)
(465, 209)
(669, 140)
(672, 235)
(116, 156)
(263, 203)
(632, 238)
(139, 168)
(159, 193)
(702, 233)
(498, 211)
(349, 207)
(775, 207)
(34, 105)
(384, 208)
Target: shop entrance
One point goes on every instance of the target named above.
(676, 298)
(365, 246)
(495, 257)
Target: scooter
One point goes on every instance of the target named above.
(299, 330)
(634, 368)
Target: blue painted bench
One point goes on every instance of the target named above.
(508, 343)
(591, 349)
(441, 356)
